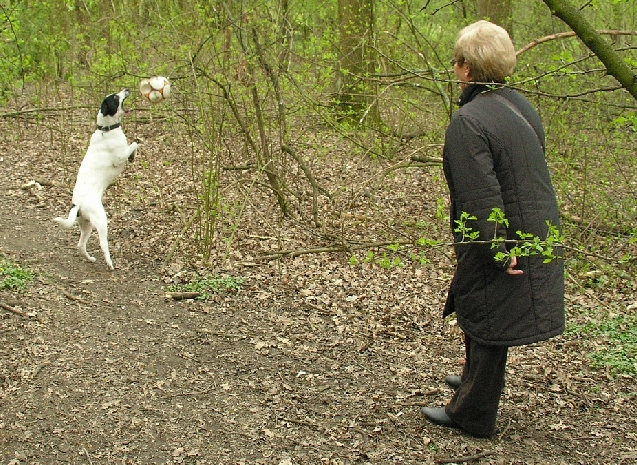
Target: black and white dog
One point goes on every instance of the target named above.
(104, 161)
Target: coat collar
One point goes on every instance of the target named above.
(472, 91)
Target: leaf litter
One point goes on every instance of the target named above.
(311, 360)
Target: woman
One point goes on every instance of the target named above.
(493, 158)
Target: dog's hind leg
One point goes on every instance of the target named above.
(101, 226)
(85, 232)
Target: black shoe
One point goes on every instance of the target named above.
(438, 416)
(453, 381)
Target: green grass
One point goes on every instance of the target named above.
(615, 341)
(13, 276)
(208, 285)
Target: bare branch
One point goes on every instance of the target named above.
(8, 308)
(563, 35)
(467, 458)
(614, 64)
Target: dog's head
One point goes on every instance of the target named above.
(112, 109)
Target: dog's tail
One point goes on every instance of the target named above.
(70, 221)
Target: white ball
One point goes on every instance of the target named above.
(155, 89)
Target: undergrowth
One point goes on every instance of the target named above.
(13, 276)
(208, 285)
(614, 342)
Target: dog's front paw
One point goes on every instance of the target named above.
(133, 147)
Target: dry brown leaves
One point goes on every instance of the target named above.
(313, 361)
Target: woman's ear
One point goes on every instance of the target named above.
(467, 70)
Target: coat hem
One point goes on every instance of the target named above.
(515, 342)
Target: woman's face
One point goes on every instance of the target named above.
(463, 73)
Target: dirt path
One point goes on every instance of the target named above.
(322, 364)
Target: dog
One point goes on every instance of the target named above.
(105, 159)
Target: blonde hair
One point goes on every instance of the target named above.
(488, 50)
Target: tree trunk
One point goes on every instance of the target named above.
(356, 93)
(499, 12)
(596, 43)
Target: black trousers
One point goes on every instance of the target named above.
(474, 406)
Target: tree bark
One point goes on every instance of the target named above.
(499, 12)
(615, 66)
(356, 93)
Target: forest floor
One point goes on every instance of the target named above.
(311, 361)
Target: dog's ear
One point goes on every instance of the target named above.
(110, 105)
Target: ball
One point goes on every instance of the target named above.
(155, 89)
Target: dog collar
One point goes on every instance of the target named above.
(108, 128)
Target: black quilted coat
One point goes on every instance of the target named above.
(493, 158)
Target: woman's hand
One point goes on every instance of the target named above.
(512, 265)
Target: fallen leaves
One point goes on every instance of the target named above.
(314, 360)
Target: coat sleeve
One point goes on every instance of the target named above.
(473, 184)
